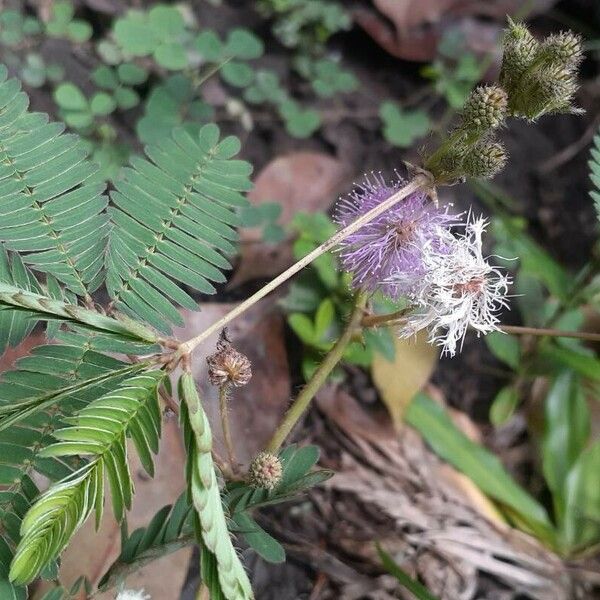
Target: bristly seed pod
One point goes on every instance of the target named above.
(520, 49)
(563, 49)
(227, 366)
(485, 108)
(485, 159)
(265, 471)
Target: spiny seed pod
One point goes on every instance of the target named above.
(520, 49)
(562, 49)
(485, 108)
(485, 159)
(265, 471)
(227, 366)
(551, 91)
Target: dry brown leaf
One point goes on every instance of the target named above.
(412, 29)
(300, 182)
(399, 380)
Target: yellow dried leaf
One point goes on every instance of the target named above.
(399, 380)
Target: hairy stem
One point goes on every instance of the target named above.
(332, 358)
(420, 182)
(379, 320)
(224, 392)
(541, 331)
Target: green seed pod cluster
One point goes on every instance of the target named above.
(485, 108)
(540, 77)
(471, 149)
(485, 159)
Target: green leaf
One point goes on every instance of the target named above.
(70, 97)
(167, 21)
(303, 327)
(582, 514)
(298, 122)
(242, 43)
(79, 31)
(102, 103)
(505, 348)
(209, 46)
(171, 56)
(174, 220)
(412, 585)
(402, 127)
(126, 98)
(298, 464)
(132, 74)
(486, 471)
(504, 405)
(552, 355)
(324, 318)
(566, 433)
(105, 77)
(99, 431)
(135, 36)
(237, 74)
(109, 52)
(170, 529)
(265, 545)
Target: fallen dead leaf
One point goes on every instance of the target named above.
(399, 380)
(412, 29)
(301, 182)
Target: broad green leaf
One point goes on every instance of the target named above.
(582, 506)
(504, 405)
(171, 56)
(403, 127)
(559, 356)
(266, 546)
(102, 103)
(480, 465)
(70, 97)
(242, 43)
(504, 347)
(566, 433)
(237, 74)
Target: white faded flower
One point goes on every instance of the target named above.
(132, 595)
(459, 290)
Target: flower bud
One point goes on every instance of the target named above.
(485, 108)
(227, 366)
(562, 49)
(265, 471)
(485, 159)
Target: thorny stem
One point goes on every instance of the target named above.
(332, 358)
(224, 392)
(419, 182)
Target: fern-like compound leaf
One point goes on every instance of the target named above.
(48, 368)
(52, 210)
(222, 570)
(15, 326)
(173, 224)
(98, 431)
(594, 164)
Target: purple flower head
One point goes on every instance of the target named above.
(387, 253)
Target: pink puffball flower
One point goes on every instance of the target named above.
(391, 244)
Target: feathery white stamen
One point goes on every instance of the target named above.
(460, 289)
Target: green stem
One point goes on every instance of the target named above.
(319, 377)
(224, 392)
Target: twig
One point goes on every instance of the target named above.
(420, 182)
(319, 377)
(378, 320)
(542, 331)
(224, 409)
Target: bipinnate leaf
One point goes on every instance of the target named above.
(174, 224)
(99, 432)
